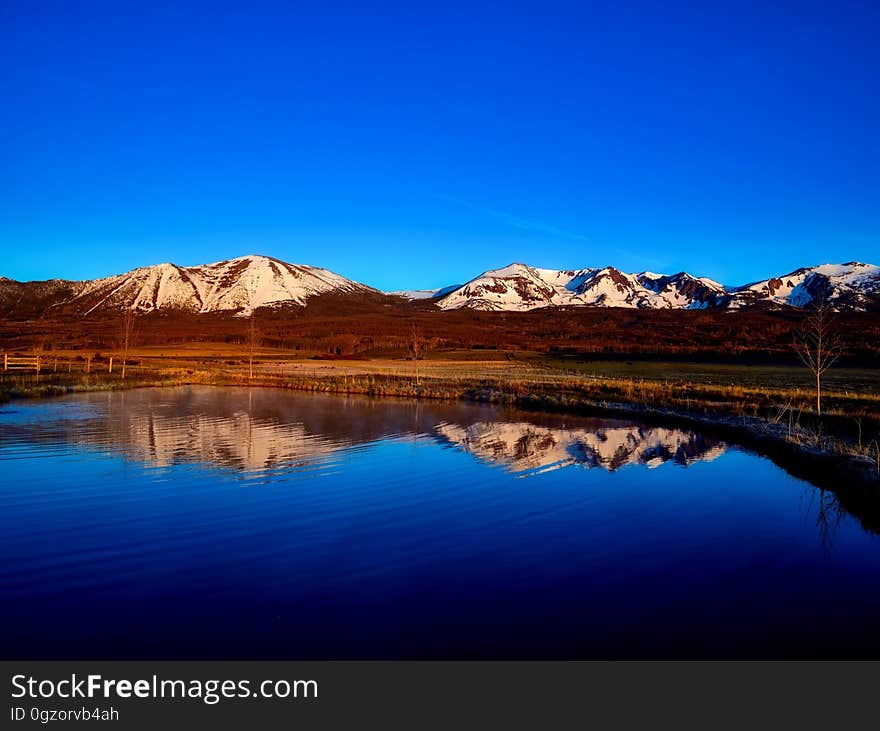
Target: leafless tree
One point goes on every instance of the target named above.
(417, 346)
(252, 287)
(817, 343)
(128, 318)
(253, 343)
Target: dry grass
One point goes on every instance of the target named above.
(848, 392)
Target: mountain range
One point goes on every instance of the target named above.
(246, 283)
(517, 287)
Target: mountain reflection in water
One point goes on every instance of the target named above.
(198, 523)
(255, 430)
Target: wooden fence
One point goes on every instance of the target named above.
(41, 363)
(21, 363)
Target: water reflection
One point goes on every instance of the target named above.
(826, 511)
(127, 534)
(526, 447)
(258, 430)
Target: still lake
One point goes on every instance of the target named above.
(253, 523)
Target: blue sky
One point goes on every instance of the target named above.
(417, 144)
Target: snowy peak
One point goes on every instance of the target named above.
(610, 287)
(683, 291)
(521, 287)
(514, 287)
(146, 288)
(240, 285)
(249, 282)
(518, 287)
(850, 286)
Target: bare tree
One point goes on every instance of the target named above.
(253, 342)
(252, 287)
(817, 343)
(128, 317)
(417, 346)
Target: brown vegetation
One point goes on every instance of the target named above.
(376, 326)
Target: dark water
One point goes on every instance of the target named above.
(203, 523)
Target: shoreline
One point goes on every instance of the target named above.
(827, 461)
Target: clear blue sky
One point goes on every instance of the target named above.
(417, 144)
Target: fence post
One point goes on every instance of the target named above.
(38, 365)
(55, 366)
(5, 361)
(110, 366)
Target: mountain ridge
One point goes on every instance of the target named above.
(520, 287)
(238, 285)
(244, 284)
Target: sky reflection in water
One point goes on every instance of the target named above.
(203, 522)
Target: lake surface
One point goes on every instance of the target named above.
(236, 523)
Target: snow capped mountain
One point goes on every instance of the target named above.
(240, 285)
(248, 282)
(683, 291)
(514, 287)
(850, 286)
(520, 287)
